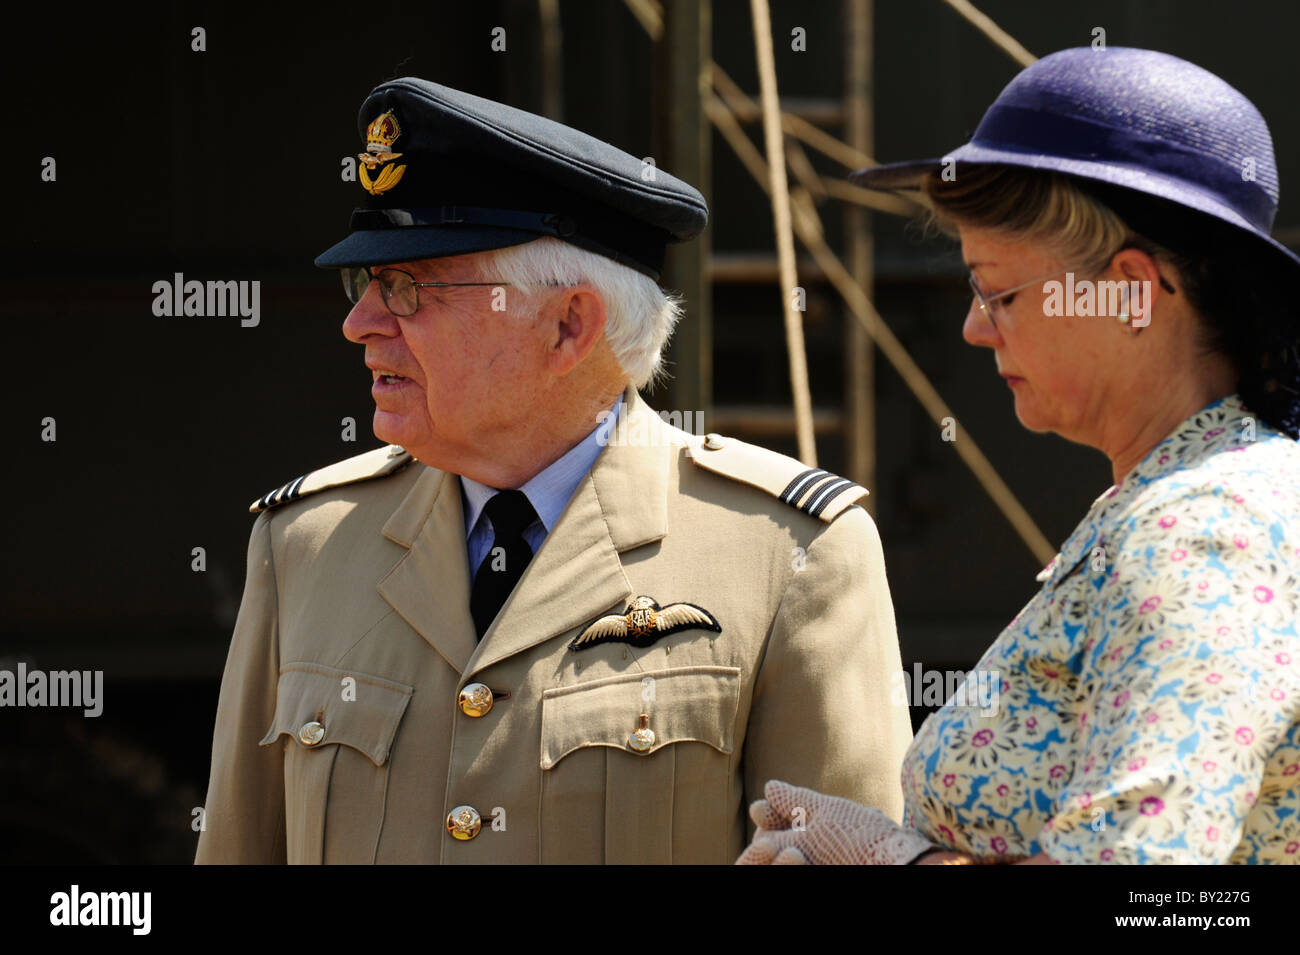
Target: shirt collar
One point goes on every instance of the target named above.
(548, 490)
(1219, 426)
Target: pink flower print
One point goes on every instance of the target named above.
(1283, 658)
(1209, 765)
(1239, 499)
(982, 738)
(1244, 735)
(1262, 594)
(1056, 772)
(1085, 801)
(947, 835)
(1223, 631)
(1003, 790)
(1212, 433)
(1031, 723)
(949, 779)
(1152, 716)
(1135, 764)
(1166, 643)
(1121, 698)
(1151, 806)
(1117, 653)
(1203, 585)
(1276, 695)
(999, 845)
(1214, 678)
(1178, 554)
(1087, 766)
(1168, 521)
(1291, 769)
(1240, 541)
(1212, 834)
(1151, 603)
(1164, 459)
(1250, 800)
(1292, 847)
(1106, 855)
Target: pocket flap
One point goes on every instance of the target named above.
(363, 715)
(692, 703)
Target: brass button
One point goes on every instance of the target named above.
(464, 822)
(714, 441)
(475, 700)
(311, 733)
(643, 737)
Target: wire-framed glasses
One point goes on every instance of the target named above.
(399, 289)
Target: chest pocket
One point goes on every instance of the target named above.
(616, 791)
(337, 728)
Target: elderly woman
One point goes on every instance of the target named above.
(1150, 692)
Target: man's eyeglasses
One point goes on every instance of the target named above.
(399, 289)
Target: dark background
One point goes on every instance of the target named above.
(225, 165)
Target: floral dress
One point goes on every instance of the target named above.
(1149, 694)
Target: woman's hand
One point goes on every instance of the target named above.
(797, 825)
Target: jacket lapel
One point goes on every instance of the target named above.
(577, 573)
(429, 587)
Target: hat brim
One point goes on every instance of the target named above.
(414, 243)
(911, 174)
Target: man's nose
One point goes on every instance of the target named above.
(978, 329)
(370, 316)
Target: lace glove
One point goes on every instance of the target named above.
(825, 830)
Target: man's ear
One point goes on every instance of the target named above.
(577, 325)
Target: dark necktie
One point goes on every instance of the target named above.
(510, 512)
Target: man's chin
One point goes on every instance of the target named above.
(393, 428)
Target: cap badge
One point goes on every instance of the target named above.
(380, 136)
(643, 623)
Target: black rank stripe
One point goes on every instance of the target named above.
(794, 490)
(293, 488)
(828, 495)
(808, 495)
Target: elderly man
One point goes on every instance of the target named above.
(541, 625)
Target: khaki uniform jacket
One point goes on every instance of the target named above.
(355, 617)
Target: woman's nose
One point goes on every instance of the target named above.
(978, 329)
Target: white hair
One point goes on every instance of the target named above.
(640, 316)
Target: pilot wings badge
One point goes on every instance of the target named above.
(643, 623)
(380, 136)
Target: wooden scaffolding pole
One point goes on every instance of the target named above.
(779, 190)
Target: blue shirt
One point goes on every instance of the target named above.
(548, 491)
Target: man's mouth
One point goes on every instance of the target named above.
(387, 377)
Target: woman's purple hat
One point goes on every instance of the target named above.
(1138, 119)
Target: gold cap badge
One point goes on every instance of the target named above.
(380, 136)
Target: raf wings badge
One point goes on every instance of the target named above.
(643, 623)
(380, 136)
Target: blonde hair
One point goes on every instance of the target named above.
(640, 316)
(1037, 206)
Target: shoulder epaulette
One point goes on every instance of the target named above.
(814, 491)
(363, 467)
